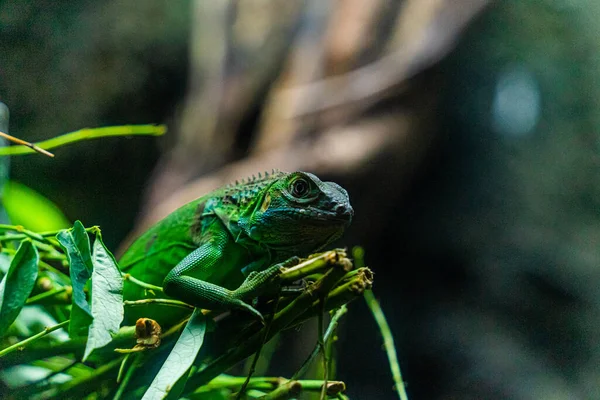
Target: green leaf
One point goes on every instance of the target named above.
(17, 284)
(76, 244)
(179, 360)
(29, 208)
(4, 263)
(107, 297)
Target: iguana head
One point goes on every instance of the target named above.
(296, 212)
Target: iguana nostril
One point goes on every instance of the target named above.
(342, 209)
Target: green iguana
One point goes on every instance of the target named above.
(217, 251)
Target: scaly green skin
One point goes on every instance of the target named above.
(217, 251)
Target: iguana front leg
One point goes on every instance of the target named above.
(200, 293)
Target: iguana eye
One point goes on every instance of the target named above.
(300, 188)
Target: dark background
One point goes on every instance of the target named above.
(473, 171)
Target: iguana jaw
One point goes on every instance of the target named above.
(313, 214)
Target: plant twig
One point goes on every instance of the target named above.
(122, 368)
(26, 143)
(268, 383)
(282, 319)
(41, 296)
(322, 347)
(388, 339)
(170, 302)
(83, 134)
(78, 388)
(22, 344)
(144, 285)
(258, 351)
(25, 232)
(41, 236)
(333, 323)
(388, 342)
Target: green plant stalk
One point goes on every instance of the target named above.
(345, 291)
(333, 323)
(44, 295)
(388, 342)
(267, 353)
(34, 388)
(80, 387)
(258, 351)
(312, 265)
(322, 348)
(54, 364)
(266, 383)
(73, 346)
(122, 368)
(87, 134)
(144, 285)
(54, 256)
(288, 390)
(24, 343)
(21, 230)
(281, 320)
(128, 375)
(169, 302)
(49, 267)
(45, 236)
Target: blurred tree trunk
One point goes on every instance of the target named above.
(329, 87)
(343, 89)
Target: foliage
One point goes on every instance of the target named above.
(29, 208)
(79, 284)
(69, 277)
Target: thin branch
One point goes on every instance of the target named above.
(170, 302)
(84, 134)
(268, 383)
(128, 375)
(128, 277)
(22, 344)
(44, 295)
(388, 342)
(330, 329)
(258, 351)
(25, 143)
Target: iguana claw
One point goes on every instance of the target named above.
(251, 310)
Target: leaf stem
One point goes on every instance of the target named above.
(122, 368)
(26, 143)
(323, 350)
(21, 230)
(22, 344)
(85, 134)
(41, 236)
(170, 302)
(144, 285)
(388, 342)
(258, 351)
(78, 388)
(268, 383)
(48, 267)
(44, 295)
(123, 384)
(333, 323)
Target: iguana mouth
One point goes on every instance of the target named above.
(322, 217)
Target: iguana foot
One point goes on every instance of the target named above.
(256, 282)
